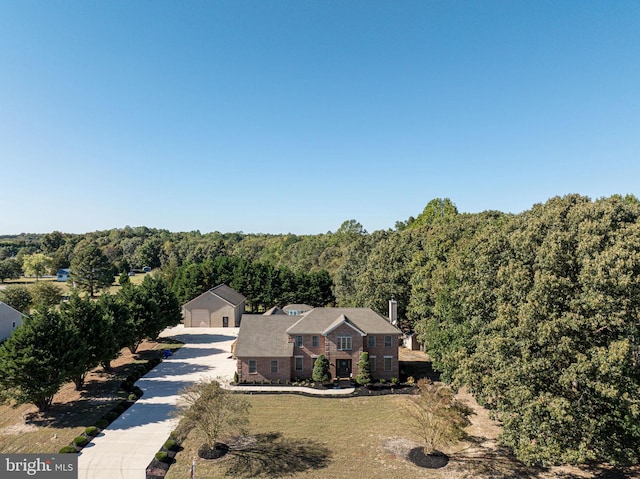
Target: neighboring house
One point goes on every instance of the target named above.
(410, 341)
(297, 309)
(278, 347)
(220, 307)
(63, 274)
(10, 319)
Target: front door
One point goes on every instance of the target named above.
(343, 368)
(225, 321)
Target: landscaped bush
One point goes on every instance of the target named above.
(170, 445)
(133, 397)
(395, 381)
(126, 385)
(235, 377)
(411, 380)
(81, 441)
(91, 431)
(67, 450)
(102, 423)
(383, 381)
(163, 456)
(137, 391)
(111, 416)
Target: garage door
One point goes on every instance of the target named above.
(200, 318)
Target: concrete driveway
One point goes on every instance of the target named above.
(125, 448)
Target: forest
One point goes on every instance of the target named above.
(536, 313)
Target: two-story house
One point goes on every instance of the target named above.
(285, 347)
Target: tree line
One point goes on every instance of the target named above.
(54, 346)
(536, 313)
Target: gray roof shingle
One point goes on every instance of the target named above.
(319, 320)
(264, 336)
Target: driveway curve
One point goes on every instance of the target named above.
(125, 448)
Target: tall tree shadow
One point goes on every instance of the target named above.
(271, 455)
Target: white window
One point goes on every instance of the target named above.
(372, 341)
(344, 343)
(253, 366)
(387, 341)
(298, 363)
(388, 363)
(372, 363)
(315, 341)
(298, 341)
(274, 366)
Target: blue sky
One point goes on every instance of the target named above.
(293, 116)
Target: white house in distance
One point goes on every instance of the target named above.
(10, 319)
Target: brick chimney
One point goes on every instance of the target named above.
(393, 311)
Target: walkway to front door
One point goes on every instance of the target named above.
(343, 368)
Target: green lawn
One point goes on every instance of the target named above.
(67, 287)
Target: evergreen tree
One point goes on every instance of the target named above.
(90, 268)
(364, 370)
(321, 372)
(35, 361)
(92, 329)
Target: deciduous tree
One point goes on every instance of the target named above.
(17, 296)
(213, 411)
(35, 265)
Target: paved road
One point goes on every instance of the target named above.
(125, 448)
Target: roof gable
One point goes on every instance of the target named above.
(224, 292)
(7, 312)
(342, 319)
(274, 310)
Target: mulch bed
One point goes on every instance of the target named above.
(428, 461)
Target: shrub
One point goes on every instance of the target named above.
(411, 380)
(126, 385)
(91, 431)
(162, 456)
(383, 381)
(101, 423)
(170, 445)
(81, 441)
(321, 369)
(235, 377)
(364, 373)
(395, 381)
(67, 450)
(133, 397)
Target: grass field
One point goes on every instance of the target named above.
(67, 287)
